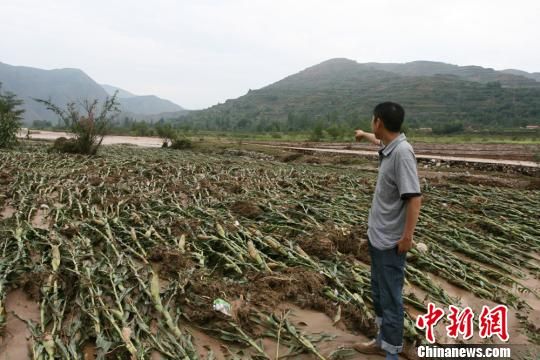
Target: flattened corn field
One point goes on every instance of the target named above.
(124, 253)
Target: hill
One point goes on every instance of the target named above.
(535, 76)
(342, 92)
(66, 85)
(122, 94)
(148, 105)
(141, 106)
(506, 78)
(60, 85)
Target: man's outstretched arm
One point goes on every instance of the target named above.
(413, 211)
(360, 134)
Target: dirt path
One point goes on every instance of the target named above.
(418, 156)
(504, 151)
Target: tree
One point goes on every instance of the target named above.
(334, 131)
(449, 128)
(141, 128)
(41, 124)
(10, 118)
(167, 133)
(88, 128)
(316, 132)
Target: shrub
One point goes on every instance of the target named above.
(182, 143)
(448, 128)
(65, 145)
(333, 132)
(42, 124)
(88, 129)
(10, 118)
(167, 133)
(317, 132)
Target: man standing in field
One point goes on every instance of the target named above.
(392, 219)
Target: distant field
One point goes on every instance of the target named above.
(515, 136)
(533, 138)
(484, 138)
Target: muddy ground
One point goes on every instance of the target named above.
(291, 294)
(524, 152)
(520, 152)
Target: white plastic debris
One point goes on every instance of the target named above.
(422, 247)
(222, 306)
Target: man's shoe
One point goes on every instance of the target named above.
(370, 347)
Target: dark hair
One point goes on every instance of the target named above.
(391, 114)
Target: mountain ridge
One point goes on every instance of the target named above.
(70, 84)
(122, 94)
(342, 92)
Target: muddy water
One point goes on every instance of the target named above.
(207, 345)
(15, 342)
(305, 321)
(313, 322)
(204, 344)
(308, 322)
(14, 345)
(108, 140)
(532, 298)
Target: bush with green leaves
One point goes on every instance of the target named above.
(167, 133)
(449, 128)
(316, 132)
(181, 144)
(10, 118)
(41, 124)
(88, 127)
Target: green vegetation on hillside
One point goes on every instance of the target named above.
(341, 93)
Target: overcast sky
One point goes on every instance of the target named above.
(199, 53)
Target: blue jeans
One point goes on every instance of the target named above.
(387, 276)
